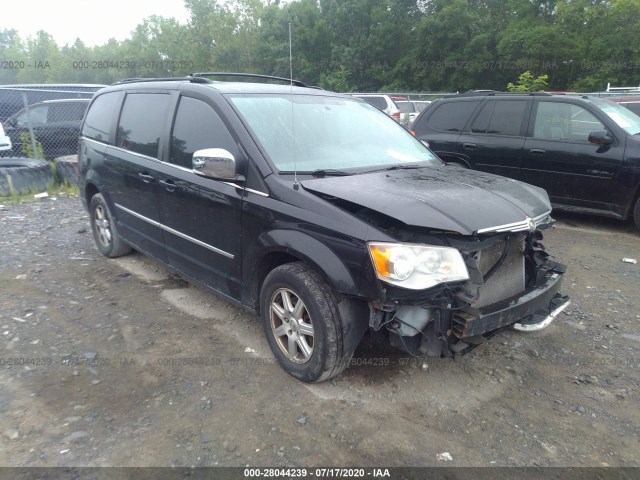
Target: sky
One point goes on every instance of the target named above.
(94, 22)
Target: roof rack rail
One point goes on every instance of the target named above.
(490, 93)
(189, 78)
(297, 83)
(483, 91)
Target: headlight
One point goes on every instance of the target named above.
(417, 266)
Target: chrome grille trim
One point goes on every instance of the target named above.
(521, 226)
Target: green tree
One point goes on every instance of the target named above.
(158, 47)
(44, 61)
(527, 83)
(365, 45)
(12, 51)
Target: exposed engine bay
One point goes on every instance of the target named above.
(512, 282)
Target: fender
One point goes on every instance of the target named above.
(93, 183)
(304, 247)
(307, 249)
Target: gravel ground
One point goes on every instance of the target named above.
(119, 363)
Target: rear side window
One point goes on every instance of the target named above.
(67, 112)
(634, 107)
(141, 122)
(379, 102)
(405, 107)
(100, 117)
(37, 116)
(197, 126)
(502, 117)
(451, 116)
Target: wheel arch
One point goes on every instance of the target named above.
(278, 247)
(633, 210)
(90, 190)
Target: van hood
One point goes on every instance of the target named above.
(443, 198)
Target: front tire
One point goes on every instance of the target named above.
(105, 231)
(302, 323)
(636, 214)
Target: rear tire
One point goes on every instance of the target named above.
(302, 323)
(636, 214)
(105, 231)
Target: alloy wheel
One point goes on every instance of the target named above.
(291, 325)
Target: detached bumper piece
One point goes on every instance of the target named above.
(536, 322)
(533, 309)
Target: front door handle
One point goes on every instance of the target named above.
(146, 178)
(537, 151)
(469, 146)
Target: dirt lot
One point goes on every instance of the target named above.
(118, 363)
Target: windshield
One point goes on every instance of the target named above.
(624, 118)
(327, 133)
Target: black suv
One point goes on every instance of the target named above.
(585, 151)
(318, 212)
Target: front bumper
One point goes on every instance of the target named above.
(537, 323)
(533, 306)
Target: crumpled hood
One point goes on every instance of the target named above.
(439, 197)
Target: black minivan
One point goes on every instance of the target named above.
(584, 151)
(318, 212)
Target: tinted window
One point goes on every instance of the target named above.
(500, 117)
(634, 107)
(379, 102)
(37, 116)
(405, 107)
(420, 106)
(506, 118)
(564, 121)
(452, 116)
(197, 126)
(141, 122)
(100, 117)
(67, 112)
(481, 122)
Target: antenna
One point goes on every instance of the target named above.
(296, 186)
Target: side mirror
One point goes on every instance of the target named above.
(600, 137)
(215, 163)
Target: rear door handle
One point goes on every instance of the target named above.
(537, 151)
(168, 184)
(469, 146)
(146, 178)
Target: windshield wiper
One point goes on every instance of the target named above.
(411, 166)
(404, 167)
(329, 172)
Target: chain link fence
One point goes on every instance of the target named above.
(42, 122)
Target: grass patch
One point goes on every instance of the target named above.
(56, 190)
